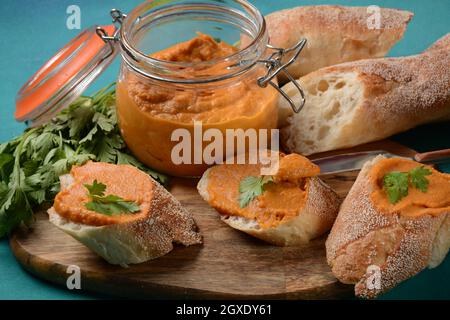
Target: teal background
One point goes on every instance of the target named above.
(33, 30)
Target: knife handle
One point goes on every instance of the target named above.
(433, 156)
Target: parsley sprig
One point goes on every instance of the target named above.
(251, 187)
(396, 184)
(109, 205)
(30, 165)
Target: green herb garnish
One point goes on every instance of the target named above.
(418, 178)
(30, 165)
(251, 187)
(396, 184)
(110, 204)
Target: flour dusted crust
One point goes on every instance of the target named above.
(400, 246)
(315, 219)
(335, 34)
(138, 240)
(368, 100)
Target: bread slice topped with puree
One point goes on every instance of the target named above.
(394, 222)
(121, 213)
(289, 208)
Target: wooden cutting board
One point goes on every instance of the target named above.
(229, 265)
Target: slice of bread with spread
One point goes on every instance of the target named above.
(122, 238)
(367, 100)
(336, 34)
(294, 208)
(378, 241)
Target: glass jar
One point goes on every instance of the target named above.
(195, 69)
(168, 81)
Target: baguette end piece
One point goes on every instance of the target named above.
(335, 34)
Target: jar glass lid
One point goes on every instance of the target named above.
(63, 78)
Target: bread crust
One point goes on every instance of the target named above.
(362, 237)
(335, 34)
(397, 95)
(315, 219)
(138, 240)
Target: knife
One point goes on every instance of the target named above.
(355, 161)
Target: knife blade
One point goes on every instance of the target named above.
(348, 161)
(355, 161)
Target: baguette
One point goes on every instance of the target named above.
(368, 100)
(400, 246)
(335, 34)
(150, 235)
(313, 220)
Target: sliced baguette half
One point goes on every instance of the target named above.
(368, 100)
(377, 251)
(313, 220)
(336, 34)
(147, 237)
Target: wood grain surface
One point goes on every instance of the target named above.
(229, 265)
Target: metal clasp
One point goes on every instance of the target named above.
(275, 65)
(118, 18)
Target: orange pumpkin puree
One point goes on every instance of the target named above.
(124, 181)
(281, 200)
(149, 112)
(417, 203)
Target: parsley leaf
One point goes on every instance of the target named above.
(396, 185)
(251, 187)
(80, 118)
(104, 122)
(110, 204)
(96, 189)
(418, 179)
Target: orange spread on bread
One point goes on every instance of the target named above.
(434, 201)
(125, 181)
(281, 200)
(149, 112)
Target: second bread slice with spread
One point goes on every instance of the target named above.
(293, 209)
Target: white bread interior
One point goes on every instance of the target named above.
(315, 219)
(367, 100)
(136, 241)
(441, 244)
(400, 246)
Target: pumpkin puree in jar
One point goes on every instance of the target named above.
(435, 201)
(149, 111)
(281, 201)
